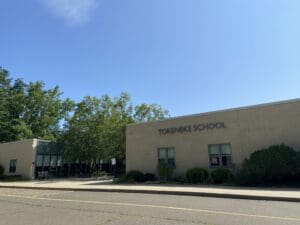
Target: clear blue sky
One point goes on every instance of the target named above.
(189, 56)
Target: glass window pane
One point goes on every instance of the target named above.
(59, 161)
(39, 160)
(214, 161)
(226, 160)
(161, 161)
(43, 147)
(46, 160)
(53, 160)
(12, 165)
(162, 153)
(171, 153)
(226, 149)
(171, 162)
(214, 149)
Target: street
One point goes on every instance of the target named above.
(43, 207)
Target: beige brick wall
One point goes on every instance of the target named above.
(23, 152)
(247, 129)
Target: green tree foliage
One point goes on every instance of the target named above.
(91, 128)
(81, 131)
(5, 85)
(116, 114)
(30, 110)
(97, 128)
(145, 113)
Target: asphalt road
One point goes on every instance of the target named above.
(37, 207)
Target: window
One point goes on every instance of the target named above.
(219, 155)
(39, 160)
(46, 160)
(166, 156)
(59, 161)
(53, 161)
(13, 166)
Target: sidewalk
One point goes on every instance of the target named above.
(270, 194)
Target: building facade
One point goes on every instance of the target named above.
(41, 159)
(30, 158)
(220, 139)
(18, 158)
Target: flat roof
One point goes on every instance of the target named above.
(220, 111)
(24, 140)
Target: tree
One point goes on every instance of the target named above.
(117, 113)
(90, 129)
(11, 107)
(80, 136)
(30, 110)
(146, 113)
(97, 128)
(16, 107)
(44, 110)
(5, 133)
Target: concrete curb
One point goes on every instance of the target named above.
(183, 193)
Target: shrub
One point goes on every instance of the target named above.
(197, 175)
(179, 179)
(165, 171)
(219, 176)
(149, 177)
(1, 170)
(99, 174)
(277, 164)
(135, 176)
(11, 178)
